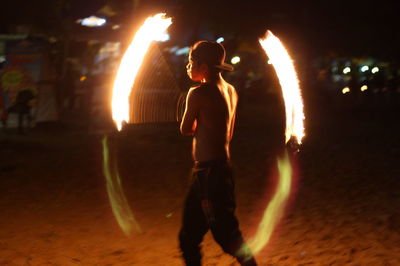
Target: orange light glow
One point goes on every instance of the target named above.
(287, 76)
(151, 30)
(275, 209)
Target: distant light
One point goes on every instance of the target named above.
(364, 68)
(2, 58)
(173, 49)
(364, 88)
(184, 50)
(83, 78)
(53, 39)
(163, 37)
(220, 39)
(269, 62)
(92, 21)
(235, 60)
(116, 27)
(346, 70)
(375, 70)
(346, 90)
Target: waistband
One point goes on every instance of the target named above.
(211, 163)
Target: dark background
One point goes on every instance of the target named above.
(356, 28)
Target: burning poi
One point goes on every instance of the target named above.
(131, 62)
(294, 132)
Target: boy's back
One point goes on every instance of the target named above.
(215, 121)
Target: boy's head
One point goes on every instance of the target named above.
(206, 56)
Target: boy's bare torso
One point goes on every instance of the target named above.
(215, 118)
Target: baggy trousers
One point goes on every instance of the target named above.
(210, 205)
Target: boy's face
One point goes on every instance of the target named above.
(194, 70)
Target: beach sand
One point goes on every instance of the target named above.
(344, 209)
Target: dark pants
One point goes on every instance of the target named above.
(210, 204)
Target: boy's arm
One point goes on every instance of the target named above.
(232, 126)
(188, 124)
(235, 100)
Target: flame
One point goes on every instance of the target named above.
(151, 30)
(287, 76)
(289, 82)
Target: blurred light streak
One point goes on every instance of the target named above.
(183, 51)
(152, 29)
(289, 82)
(364, 88)
(92, 21)
(275, 209)
(116, 196)
(375, 70)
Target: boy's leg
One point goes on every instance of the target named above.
(194, 227)
(225, 229)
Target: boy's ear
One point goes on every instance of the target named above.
(203, 68)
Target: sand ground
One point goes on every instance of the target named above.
(345, 210)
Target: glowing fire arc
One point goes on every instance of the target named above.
(150, 31)
(289, 82)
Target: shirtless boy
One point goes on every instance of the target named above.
(210, 117)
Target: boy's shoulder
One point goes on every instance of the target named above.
(199, 89)
(200, 93)
(203, 87)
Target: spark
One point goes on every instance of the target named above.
(153, 29)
